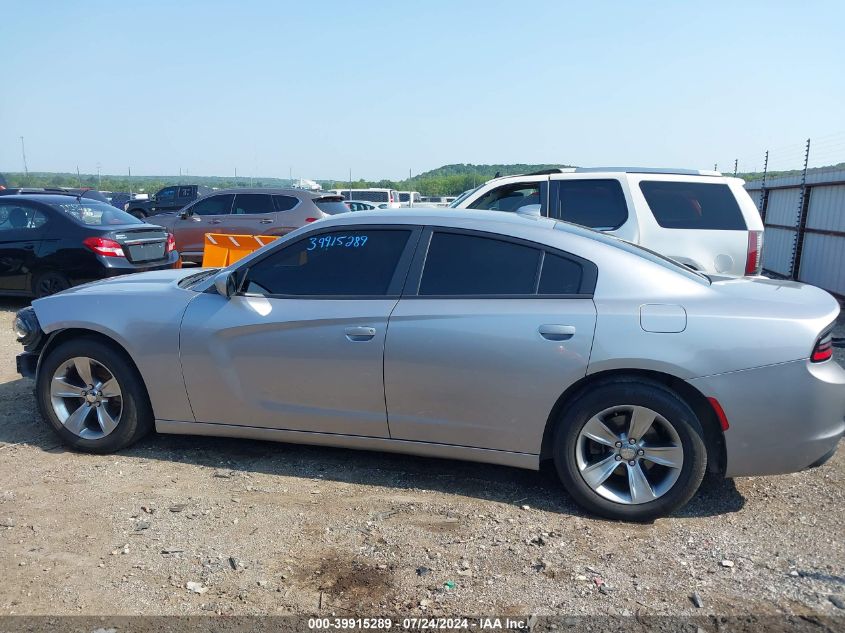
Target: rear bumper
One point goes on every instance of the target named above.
(783, 418)
(114, 266)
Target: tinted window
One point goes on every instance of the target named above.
(214, 205)
(560, 276)
(166, 193)
(597, 204)
(252, 203)
(337, 263)
(185, 192)
(284, 203)
(365, 194)
(404, 197)
(332, 206)
(693, 205)
(19, 217)
(95, 213)
(507, 198)
(470, 265)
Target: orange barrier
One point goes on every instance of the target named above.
(222, 249)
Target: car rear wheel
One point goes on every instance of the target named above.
(630, 450)
(138, 214)
(49, 283)
(92, 396)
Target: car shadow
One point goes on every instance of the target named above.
(21, 424)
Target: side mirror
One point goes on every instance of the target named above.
(225, 283)
(530, 209)
(185, 214)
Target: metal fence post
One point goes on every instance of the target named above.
(764, 194)
(803, 208)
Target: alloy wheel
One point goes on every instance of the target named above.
(86, 397)
(629, 454)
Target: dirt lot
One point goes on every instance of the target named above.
(274, 528)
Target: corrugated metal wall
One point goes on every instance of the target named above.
(820, 244)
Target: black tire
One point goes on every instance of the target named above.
(136, 418)
(637, 392)
(49, 282)
(138, 214)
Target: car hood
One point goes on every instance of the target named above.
(152, 281)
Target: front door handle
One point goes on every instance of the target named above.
(557, 332)
(265, 221)
(216, 222)
(359, 334)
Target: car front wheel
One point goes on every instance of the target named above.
(92, 396)
(630, 450)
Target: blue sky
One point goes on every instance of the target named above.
(384, 87)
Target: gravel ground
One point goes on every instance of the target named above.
(180, 525)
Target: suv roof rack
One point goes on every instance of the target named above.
(552, 170)
(650, 170)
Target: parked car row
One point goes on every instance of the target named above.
(702, 219)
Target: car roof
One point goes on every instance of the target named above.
(49, 198)
(277, 191)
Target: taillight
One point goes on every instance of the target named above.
(171, 243)
(823, 350)
(309, 220)
(754, 260)
(102, 246)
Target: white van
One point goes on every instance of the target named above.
(409, 198)
(702, 219)
(389, 196)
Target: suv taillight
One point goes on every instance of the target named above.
(824, 348)
(102, 246)
(171, 243)
(754, 260)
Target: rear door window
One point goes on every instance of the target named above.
(693, 205)
(168, 193)
(284, 203)
(597, 204)
(459, 264)
(214, 205)
(560, 276)
(252, 203)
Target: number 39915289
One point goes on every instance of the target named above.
(336, 241)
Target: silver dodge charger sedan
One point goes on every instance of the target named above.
(480, 336)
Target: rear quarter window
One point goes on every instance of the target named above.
(693, 205)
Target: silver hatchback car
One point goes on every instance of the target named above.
(481, 336)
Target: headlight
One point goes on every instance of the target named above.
(26, 327)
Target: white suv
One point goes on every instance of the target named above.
(700, 218)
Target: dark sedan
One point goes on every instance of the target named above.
(50, 242)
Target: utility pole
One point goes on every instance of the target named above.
(736, 165)
(129, 181)
(98, 176)
(350, 184)
(78, 177)
(23, 153)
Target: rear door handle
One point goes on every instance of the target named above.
(557, 332)
(358, 333)
(216, 222)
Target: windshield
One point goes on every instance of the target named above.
(463, 196)
(634, 249)
(94, 213)
(332, 206)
